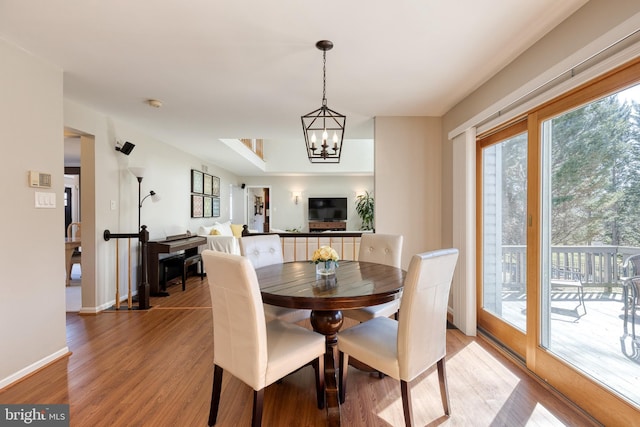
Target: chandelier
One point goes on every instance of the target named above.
(328, 124)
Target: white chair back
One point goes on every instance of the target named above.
(73, 230)
(262, 250)
(381, 248)
(239, 329)
(423, 311)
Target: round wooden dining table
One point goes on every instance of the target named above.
(355, 284)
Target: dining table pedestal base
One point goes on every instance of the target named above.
(355, 284)
(328, 323)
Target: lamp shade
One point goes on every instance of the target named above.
(137, 171)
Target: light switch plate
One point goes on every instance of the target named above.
(45, 200)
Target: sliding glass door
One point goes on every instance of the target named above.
(503, 207)
(558, 220)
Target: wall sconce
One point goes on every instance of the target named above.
(296, 196)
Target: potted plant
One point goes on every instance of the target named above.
(364, 209)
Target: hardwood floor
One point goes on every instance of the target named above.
(154, 368)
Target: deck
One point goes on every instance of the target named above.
(595, 342)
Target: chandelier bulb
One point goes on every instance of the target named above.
(313, 138)
(325, 136)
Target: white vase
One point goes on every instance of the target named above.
(326, 268)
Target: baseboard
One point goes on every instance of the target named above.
(34, 367)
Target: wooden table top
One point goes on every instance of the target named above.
(72, 241)
(356, 284)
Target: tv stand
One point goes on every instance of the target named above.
(327, 225)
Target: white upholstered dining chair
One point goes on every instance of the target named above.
(382, 249)
(405, 348)
(256, 352)
(263, 250)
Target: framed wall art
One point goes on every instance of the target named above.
(215, 186)
(207, 184)
(207, 208)
(197, 181)
(197, 206)
(215, 207)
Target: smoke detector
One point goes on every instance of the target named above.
(154, 103)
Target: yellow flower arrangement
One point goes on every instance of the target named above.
(324, 254)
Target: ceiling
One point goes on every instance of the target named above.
(249, 69)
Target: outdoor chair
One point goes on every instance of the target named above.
(631, 288)
(568, 277)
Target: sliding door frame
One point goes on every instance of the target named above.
(602, 403)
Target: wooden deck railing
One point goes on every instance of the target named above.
(597, 265)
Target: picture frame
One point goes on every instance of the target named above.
(208, 184)
(215, 207)
(207, 207)
(197, 206)
(215, 186)
(197, 181)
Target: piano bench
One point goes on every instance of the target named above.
(189, 261)
(181, 263)
(170, 267)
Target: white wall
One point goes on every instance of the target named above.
(408, 180)
(167, 172)
(32, 301)
(285, 214)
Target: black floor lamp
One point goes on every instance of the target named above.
(139, 174)
(143, 286)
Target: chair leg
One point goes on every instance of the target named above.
(201, 270)
(258, 399)
(215, 394)
(406, 403)
(163, 284)
(184, 276)
(342, 383)
(318, 366)
(581, 296)
(444, 390)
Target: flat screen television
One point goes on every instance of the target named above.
(327, 208)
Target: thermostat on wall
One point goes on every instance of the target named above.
(40, 180)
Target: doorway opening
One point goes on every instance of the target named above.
(258, 208)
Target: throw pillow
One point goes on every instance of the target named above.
(224, 228)
(236, 229)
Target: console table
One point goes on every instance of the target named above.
(327, 225)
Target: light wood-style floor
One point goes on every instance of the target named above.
(154, 368)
